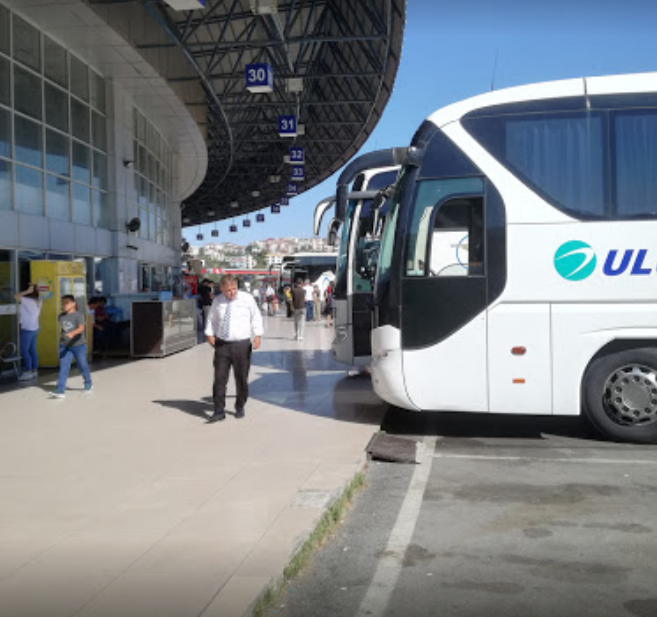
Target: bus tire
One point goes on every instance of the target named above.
(619, 395)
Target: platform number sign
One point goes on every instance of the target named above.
(297, 156)
(284, 201)
(259, 78)
(215, 233)
(260, 218)
(298, 173)
(233, 229)
(246, 223)
(275, 209)
(287, 126)
(292, 189)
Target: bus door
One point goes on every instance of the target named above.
(444, 297)
(364, 251)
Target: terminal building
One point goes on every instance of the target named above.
(122, 122)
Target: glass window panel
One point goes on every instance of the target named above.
(81, 163)
(135, 121)
(135, 154)
(151, 227)
(80, 120)
(136, 198)
(28, 190)
(81, 204)
(152, 198)
(5, 133)
(99, 127)
(143, 232)
(27, 43)
(143, 161)
(158, 236)
(79, 79)
(100, 171)
(57, 153)
(4, 30)
(27, 92)
(143, 194)
(57, 200)
(141, 131)
(5, 90)
(559, 156)
(56, 107)
(5, 185)
(29, 144)
(97, 92)
(635, 159)
(55, 66)
(101, 210)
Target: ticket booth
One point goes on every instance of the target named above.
(55, 279)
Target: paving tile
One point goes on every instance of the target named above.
(153, 595)
(127, 503)
(236, 596)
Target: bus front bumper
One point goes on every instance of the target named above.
(388, 367)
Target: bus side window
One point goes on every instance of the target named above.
(457, 239)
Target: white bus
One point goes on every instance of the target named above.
(518, 266)
(356, 264)
(312, 266)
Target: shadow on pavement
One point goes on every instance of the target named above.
(477, 425)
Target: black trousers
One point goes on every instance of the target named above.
(237, 355)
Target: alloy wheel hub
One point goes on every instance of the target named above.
(630, 395)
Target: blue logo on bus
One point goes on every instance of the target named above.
(575, 260)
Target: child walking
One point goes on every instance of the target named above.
(72, 344)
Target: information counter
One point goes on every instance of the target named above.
(158, 329)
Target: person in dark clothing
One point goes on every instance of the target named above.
(299, 306)
(205, 297)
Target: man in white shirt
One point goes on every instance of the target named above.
(308, 288)
(233, 320)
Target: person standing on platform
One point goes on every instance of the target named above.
(205, 297)
(287, 292)
(72, 345)
(308, 288)
(233, 320)
(317, 303)
(299, 306)
(328, 306)
(29, 316)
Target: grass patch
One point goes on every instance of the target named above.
(325, 528)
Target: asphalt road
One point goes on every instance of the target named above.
(505, 517)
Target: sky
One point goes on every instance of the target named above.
(449, 53)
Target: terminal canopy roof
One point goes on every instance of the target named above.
(334, 64)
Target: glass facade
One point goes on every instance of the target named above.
(152, 193)
(53, 128)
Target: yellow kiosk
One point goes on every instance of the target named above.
(55, 279)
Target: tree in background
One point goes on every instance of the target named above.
(259, 256)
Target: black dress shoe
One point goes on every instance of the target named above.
(239, 413)
(217, 416)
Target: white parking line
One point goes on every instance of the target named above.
(597, 461)
(390, 564)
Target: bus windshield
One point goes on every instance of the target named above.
(366, 248)
(343, 255)
(389, 230)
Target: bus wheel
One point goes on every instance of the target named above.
(620, 395)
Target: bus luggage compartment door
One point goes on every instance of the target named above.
(519, 365)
